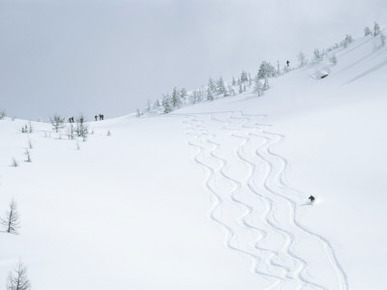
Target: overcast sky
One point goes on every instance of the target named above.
(111, 56)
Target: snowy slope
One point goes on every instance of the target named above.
(212, 196)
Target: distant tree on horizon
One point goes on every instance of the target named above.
(367, 31)
(376, 29)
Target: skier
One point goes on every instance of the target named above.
(311, 198)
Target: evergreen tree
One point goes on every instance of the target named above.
(212, 86)
(333, 59)
(266, 70)
(166, 104)
(11, 219)
(382, 38)
(240, 89)
(175, 98)
(266, 85)
(301, 59)
(258, 86)
(221, 88)
(17, 279)
(233, 81)
(367, 31)
(244, 77)
(183, 93)
(318, 56)
(210, 97)
(376, 29)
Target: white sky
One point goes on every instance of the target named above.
(111, 56)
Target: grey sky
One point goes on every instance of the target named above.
(111, 56)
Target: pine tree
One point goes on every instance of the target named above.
(367, 31)
(211, 86)
(240, 89)
(166, 104)
(266, 85)
(376, 29)
(233, 81)
(317, 55)
(302, 59)
(17, 279)
(244, 77)
(333, 59)
(221, 88)
(258, 86)
(175, 98)
(11, 219)
(210, 97)
(183, 93)
(266, 70)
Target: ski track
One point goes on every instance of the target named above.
(264, 182)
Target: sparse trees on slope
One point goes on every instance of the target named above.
(11, 220)
(18, 279)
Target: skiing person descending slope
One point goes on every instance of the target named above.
(311, 198)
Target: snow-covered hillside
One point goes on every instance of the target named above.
(212, 196)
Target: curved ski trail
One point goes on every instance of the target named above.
(254, 206)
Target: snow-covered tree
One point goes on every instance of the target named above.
(244, 77)
(212, 86)
(266, 85)
(367, 31)
(302, 61)
(318, 56)
(221, 88)
(376, 29)
(11, 220)
(240, 89)
(382, 38)
(175, 98)
(167, 104)
(57, 122)
(2, 114)
(82, 128)
(266, 70)
(333, 59)
(183, 93)
(258, 88)
(233, 81)
(210, 96)
(18, 279)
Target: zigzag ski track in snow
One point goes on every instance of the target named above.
(255, 207)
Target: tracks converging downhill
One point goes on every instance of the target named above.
(255, 207)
